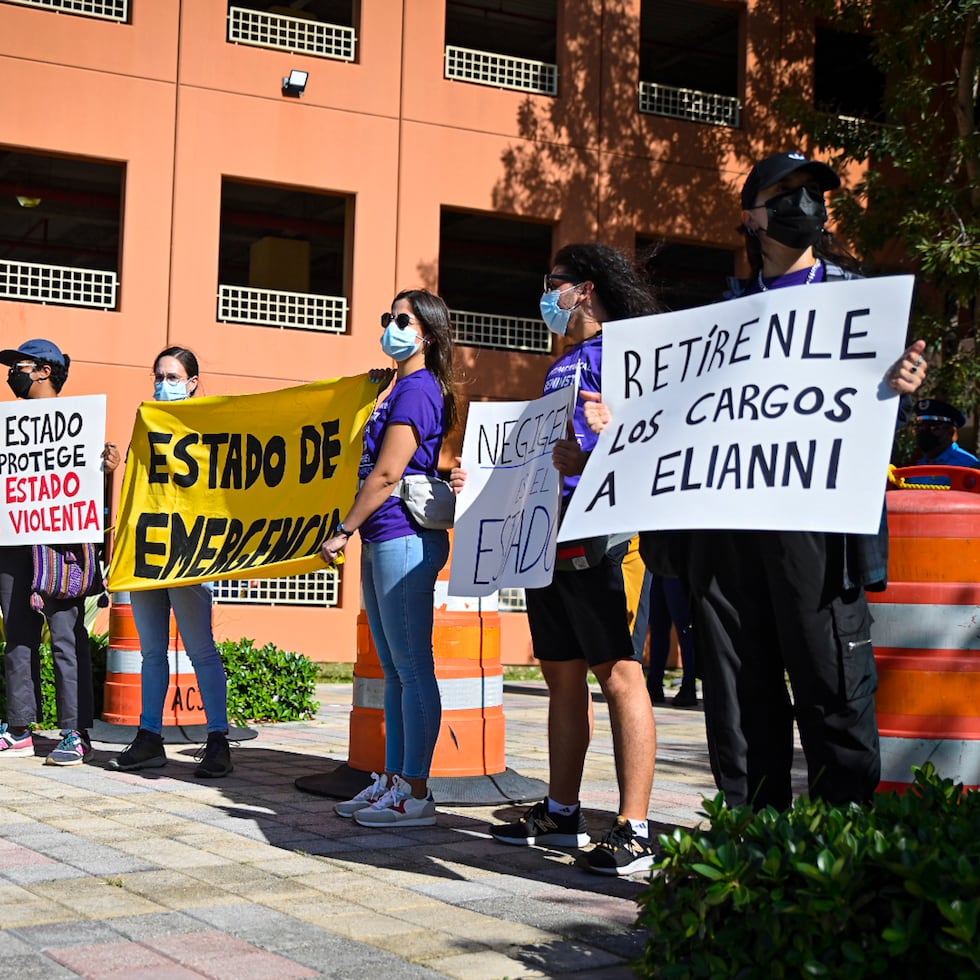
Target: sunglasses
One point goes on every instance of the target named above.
(402, 319)
(553, 281)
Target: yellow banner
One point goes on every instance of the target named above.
(238, 486)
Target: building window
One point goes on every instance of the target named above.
(845, 80)
(321, 28)
(504, 43)
(284, 257)
(689, 61)
(320, 588)
(117, 10)
(685, 275)
(490, 272)
(59, 229)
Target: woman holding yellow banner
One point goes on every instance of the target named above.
(400, 559)
(176, 377)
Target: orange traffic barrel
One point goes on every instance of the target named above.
(466, 647)
(123, 683)
(926, 630)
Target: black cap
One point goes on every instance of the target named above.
(773, 169)
(936, 410)
(45, 350)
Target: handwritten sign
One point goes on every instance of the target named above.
(51, 470)
(507, 513)
(766, 412)
(238, 486)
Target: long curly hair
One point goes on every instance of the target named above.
(433, 314)
(622, 287)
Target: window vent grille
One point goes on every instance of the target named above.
(501, 71)
(688, 103)
(294, 34)
(58, 285)
(278, 308)
(320, 588)
(117, 10)
(500, 332)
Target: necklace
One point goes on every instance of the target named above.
(811, 275)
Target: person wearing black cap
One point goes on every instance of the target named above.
(39, 369)
(771, 603)
(935, 423)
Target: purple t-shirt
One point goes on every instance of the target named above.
(416, 401)
(562, 374)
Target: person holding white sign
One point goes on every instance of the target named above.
(39, 369)
(400, 557)
(579, 622)
(771, 603)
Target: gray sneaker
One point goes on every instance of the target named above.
(144, 752)
(72, 750)
(367, 796)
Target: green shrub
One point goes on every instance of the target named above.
(268, 684)
(821, 891)
(98, 644)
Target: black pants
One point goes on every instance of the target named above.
(767, 604)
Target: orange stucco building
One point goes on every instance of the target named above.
(438, 143)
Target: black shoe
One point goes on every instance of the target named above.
(144, 752)
(215, 757)
(656, 695)
(538, 826)
(620, 852)
(685, 699)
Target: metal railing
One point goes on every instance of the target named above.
(102, 9)
(501, 71)
(295, 34)
(689, 103)
(279, 308)
(320, 588)
(59, 285)
(500, 332)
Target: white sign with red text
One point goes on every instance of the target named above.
(51, 477)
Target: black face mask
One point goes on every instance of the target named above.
(20, 383)
(928, 440)
(796, 218)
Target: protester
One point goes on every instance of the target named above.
(39, 369)
(771, 603)
(935, 423)
(668, 607)
(400, 559)
(176, 376)
(579, 621)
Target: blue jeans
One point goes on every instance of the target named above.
(398, 578)
(192, 608)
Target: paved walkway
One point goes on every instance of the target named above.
(162, 875)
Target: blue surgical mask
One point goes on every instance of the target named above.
(399, 343)
(553, 315)
(170, 391)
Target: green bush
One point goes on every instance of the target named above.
(821, 891)
(98, 644)
(268, 684)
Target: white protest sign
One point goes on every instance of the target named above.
(766, 412)
(507, 512)
(51, 470)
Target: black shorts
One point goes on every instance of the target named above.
(582, 615)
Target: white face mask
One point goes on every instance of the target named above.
(553, 315)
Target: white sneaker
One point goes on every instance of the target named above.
(367, 796)
(398, 808)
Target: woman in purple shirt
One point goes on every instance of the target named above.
(399, 559)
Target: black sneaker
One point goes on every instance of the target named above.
(144, 752)
(538, 826)
(620, 852)
(215, 757)
(685, 698)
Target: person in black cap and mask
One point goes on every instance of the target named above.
(771, 603)
(935, 423)
(38, 369)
